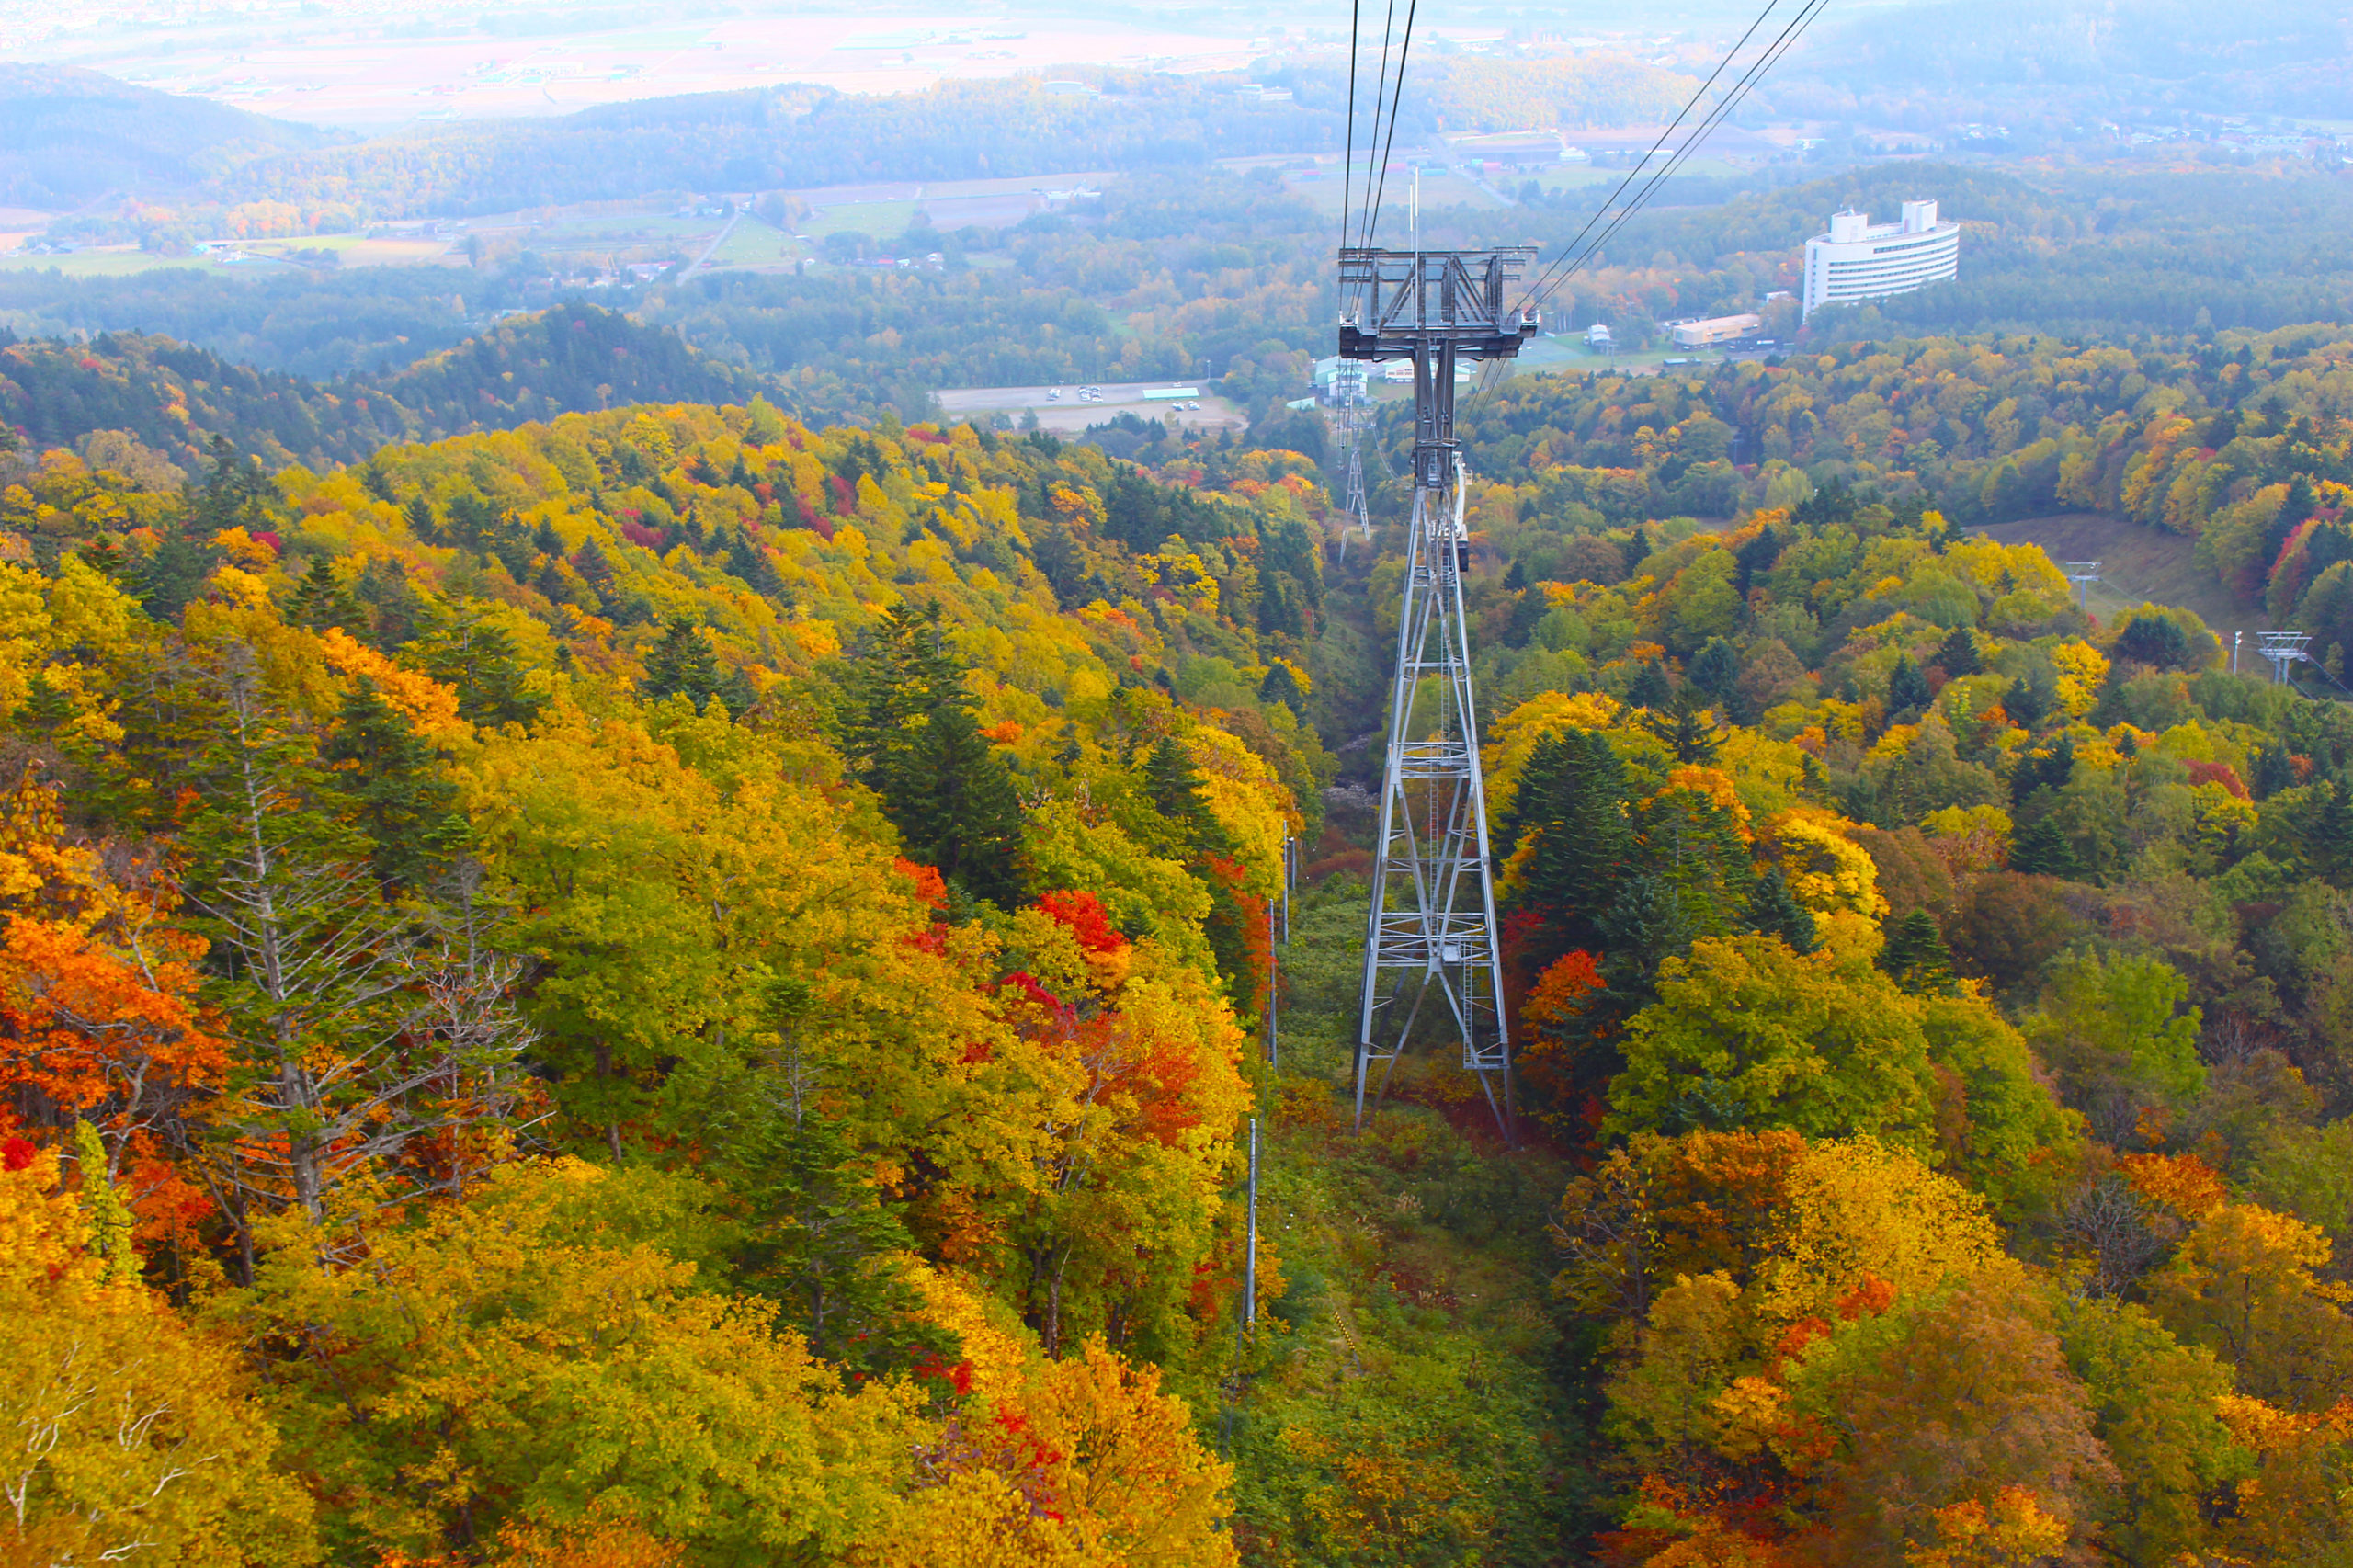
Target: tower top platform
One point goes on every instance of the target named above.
(1394, 304)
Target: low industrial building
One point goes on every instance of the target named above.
(1858, 259)
(1715, 330)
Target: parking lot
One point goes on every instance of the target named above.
(1064, 411)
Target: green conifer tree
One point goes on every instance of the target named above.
(1916, 957)
(1907, 687)
(399, 795)
(320, 600)
(481, 662)
(1957, 654)
(2041, 849)
(1774, 910)
(681, 663)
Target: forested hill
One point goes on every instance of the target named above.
(68, 136)
(741, 951)
(176, 400)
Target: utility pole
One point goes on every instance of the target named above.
(1250, 1256)
(1430, 936)
(1274, 979)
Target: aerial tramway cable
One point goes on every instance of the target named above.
(1581, 251)
(1562, 268)
(1396, 93)
(1379, 96)
(1781, 44)
(1348, 159)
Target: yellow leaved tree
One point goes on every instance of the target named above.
(132, 1438)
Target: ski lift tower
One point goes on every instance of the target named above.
(2283, 649)
(1430, 937)
(2081, 575)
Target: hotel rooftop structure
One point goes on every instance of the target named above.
(1858, 259)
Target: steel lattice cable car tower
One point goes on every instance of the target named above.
(1430, 938)
(1356, 422)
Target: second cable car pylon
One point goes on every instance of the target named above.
(1430, 936)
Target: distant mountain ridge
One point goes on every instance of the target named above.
(68, 135)
(175, 398)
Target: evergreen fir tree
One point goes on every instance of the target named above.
(812, 1223)
(1758, 555)
(1174, 786)
(1281, 685)
(1649, 687)
(173, 574)
(321, 601)
(48, 707)
(422, 522)
(1957, 654)
(596, 569)
(397, 611)
(2042, 849)
(682, 662)
(399, 796)
(1907, 688)
(1774, 910)
(480, 661)
(969, 823)
(2330, 842)
(2043, 770)
(236, 494)
(1715, 669)
(1648, 923)
(2272, 771)
(749, 564)
(1916, 955)
(1572, 802)
(906, 726)
(1637, 548)
(1686, 726)
(2029, 697)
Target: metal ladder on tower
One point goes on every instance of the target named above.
(1430, 936)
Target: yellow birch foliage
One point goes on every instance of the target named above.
(2014, 1530)
(131, 1437)
(1077, 1463)
(520, 1358)
(2246, 1286)
(1859, 1207)
(1828, 870)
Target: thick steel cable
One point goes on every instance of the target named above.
(1693, 102)
(1379, 94)
(1404, 51)
(1348, 159)
(1561, 271)
(1780, 46)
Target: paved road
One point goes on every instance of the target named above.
(708, 251)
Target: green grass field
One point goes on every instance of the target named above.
(877, 219)
(115, 263)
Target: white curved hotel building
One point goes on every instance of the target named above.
(1858, 259)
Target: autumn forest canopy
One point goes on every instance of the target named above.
(622, 946)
